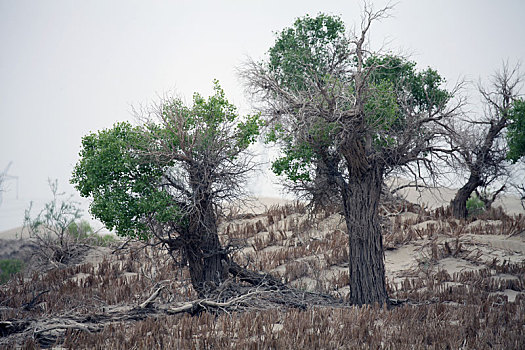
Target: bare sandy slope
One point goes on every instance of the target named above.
(11, 234)
(433, 198)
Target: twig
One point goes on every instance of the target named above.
(34, 302)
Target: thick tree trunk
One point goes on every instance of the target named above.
(206, 259)
(459, 203)
(366, 256)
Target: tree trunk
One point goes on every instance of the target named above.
(206, 259)
(366, 256)
(459, 203)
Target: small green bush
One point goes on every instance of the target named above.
(83, 231)
(9, 267)
(102, 240)
(80, 230)
(475, 206)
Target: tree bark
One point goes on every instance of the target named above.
(366, 256)
(203, 250)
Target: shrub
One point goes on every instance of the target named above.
(83, 232)
(80, 229)
(102, 240)
(9, 267)
(50, 228)
(475, 206)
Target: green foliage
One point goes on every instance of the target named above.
(516, 131)
(124, 186)
(382, 112)
(204, 125)
(125, 169)
(475, 205)
(422, 89)
(299, 156)
(248, 131)
(393, 82)
(82, 230)
(296, 162)
(101, 240)
(303, 52)
(9, 267)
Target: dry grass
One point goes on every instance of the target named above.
(437, 309)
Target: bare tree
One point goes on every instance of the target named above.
(344, 118)
(480, 145)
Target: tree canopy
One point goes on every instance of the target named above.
(325, 94)
(165, 179)
(140, 174)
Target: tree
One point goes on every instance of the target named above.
(167, 178)
(516, 141)
(344, 118)
(480, 147)
(516, 133)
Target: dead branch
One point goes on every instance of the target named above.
(34, 301)
(204, 303)
(152, 298)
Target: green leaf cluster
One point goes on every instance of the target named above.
(204, 125)
(516, 131)
(304, 52)
(248, 131)
(300, 154)
(421, 89)
(123, 184)
(395, 81)
(475, 205)
(9, 267)
(296, 163)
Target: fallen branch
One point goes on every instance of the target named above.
(198, 305)
(78, 326)
(150, 300)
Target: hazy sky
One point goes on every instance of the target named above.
(71, 67)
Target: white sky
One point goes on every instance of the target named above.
(71, 67)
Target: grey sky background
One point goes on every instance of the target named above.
(68, 68)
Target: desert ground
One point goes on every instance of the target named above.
(452, 284)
